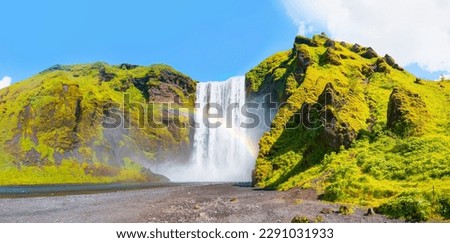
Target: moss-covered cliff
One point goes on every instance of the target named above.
(52, 125)
(354, 126)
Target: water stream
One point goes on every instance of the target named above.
(222, 148)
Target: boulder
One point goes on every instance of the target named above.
(391, 62)
(330, 43)
(356, 48)
(369, 53)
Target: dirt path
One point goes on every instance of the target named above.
(183, 203)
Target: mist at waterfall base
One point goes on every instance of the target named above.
(225, 153)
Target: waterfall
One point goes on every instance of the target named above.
(222, 150)
(222, 153)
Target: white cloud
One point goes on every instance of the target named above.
(415, 31)
(5, 82)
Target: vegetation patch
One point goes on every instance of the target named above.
(52, 124)
(363, 131)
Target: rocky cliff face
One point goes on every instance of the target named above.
(53, 124)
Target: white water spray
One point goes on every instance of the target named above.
(220, 153)
(223, 153)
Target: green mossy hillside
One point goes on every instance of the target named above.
(356, 127)
(51, 125)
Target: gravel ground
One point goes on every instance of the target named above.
(182, 203)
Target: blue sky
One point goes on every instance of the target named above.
(208, 40)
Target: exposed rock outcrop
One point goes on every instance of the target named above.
(391, 62)
(406, 113)
(330, 57)
(336, 132)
